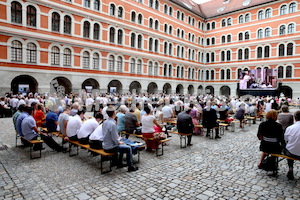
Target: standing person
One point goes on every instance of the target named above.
(285, 118)
(210, 120)
(292, 138)
(88, 127)
(271, 136)
(195, 117)
(30, 131)
(185, 124)
(149, 121)
(111, 142)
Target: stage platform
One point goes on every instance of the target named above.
(259, 92)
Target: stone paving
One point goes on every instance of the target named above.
(210, 169)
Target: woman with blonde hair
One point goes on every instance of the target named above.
(270, 134)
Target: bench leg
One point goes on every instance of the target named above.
(182, 137)
(70, 150)
(162, 149)
(31, 157)
(232, 126)
(101, 164)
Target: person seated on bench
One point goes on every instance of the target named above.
(185, 124)
(63, 121)
(111, 143)
(149, 121)
(74, 125)
(20, 118)
(88, 127)
(271, 136)
(121, 118)
(52, 120)
(30, 132)
(131, 122)
(96, 138)
(240, 112)
(292, 138)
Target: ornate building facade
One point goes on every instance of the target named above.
(147, 45)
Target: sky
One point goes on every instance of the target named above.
(200, 1)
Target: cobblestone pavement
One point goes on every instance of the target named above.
(210, 169)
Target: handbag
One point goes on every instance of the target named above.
(269, 163)
(159, 135)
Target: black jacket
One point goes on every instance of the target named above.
(184, 123)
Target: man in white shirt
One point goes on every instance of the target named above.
(96, 138)
(74, 125)
(292, 148)
(88, 127)
(167, 112)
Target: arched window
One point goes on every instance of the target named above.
(239, 74)
(55, 58)
(133, 16)
(16, 12)
(268, 13)
(86, 60)
(67, 57)
(170, 70)
(259, 52)
(208, 26)
(178, 51)
(212, 57)
(112, 35)
(247, 17)
(291, 28)
(247, 35)
(228, 38)
(246, 54)
(207, 57)
(86, 29)
(150, 23)
(120, 12)
(267, 51)
(120, 36)
(228, 55)
(165, 47)
(151, 3)
(267, 32)
(280, 72)
(67, 24)
(261, 14)
(150, 44)
(155, 69)
(288, 72)
(140, 42)
(55, 21)
(222, 56)
(120, 64)
(140, 19)
(165, 69)
(281, 50)
(87, 3)
(178, 72)
(166, 28)
(182, 34)
(31, 53)
(170, 49)
(189, 73)
(213, 41)
(31, 16)
(132, 66)
(182, 52)
(156, 44)
(241, 19)
(282, 30)
(212, 75)
(223, 39)
(156, 5)
(156, 25)
(132, 39)
(228, 74)
(283, 10)
(111, 63)
(290, 47)
(240, 36)
(223, 22)
(182, 72)
(182, 16)
(96, 5)
(139, 66)
(213, 25)
(208, 41)
(222, 74)
(229, 22)
(96, 61)
(166, 9)
(112, 9)
(292, 7)
(170, 30)
(150, 68)
(206, 75)
(260, 33)
(240, 54)
(96, 31)
(170, 11)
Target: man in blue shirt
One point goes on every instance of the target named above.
(30, 132)
(111, 141)
(52, 121)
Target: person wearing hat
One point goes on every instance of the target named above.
(111, 141)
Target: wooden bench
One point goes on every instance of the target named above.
(182, 136)
(251, 118)
(33, 142)
(132, 134)
(222, 128)
(279, 158)
(158, 142)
